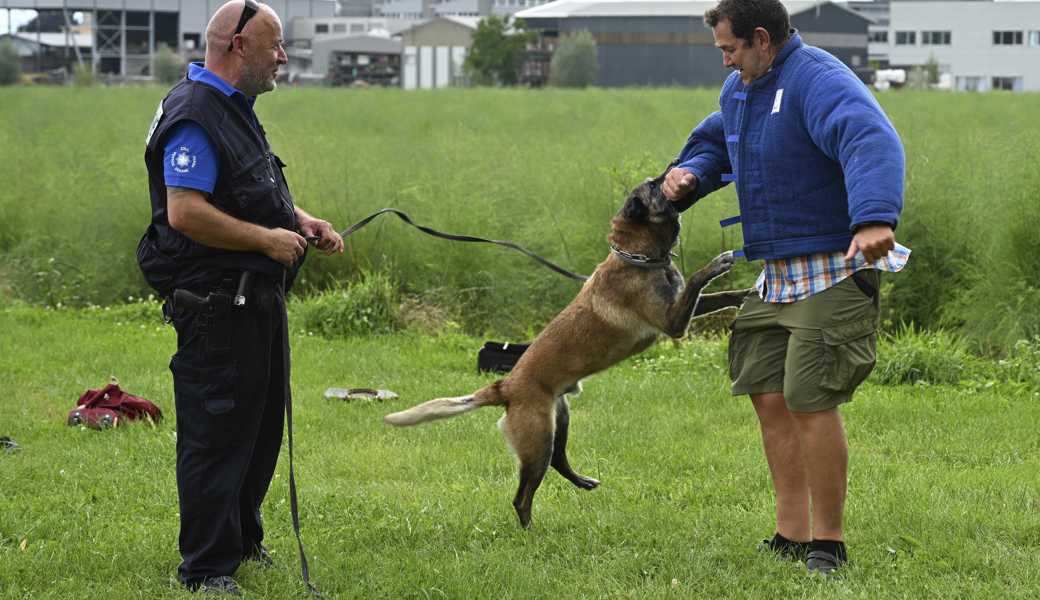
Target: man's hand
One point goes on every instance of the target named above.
(284, 246)
(678, 184)
(328, 240)
(874, 241)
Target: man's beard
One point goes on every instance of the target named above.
(257, 80)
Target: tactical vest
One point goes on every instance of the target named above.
(250, 186)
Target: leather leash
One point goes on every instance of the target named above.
(461, 238)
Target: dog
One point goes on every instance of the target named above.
(632, 298)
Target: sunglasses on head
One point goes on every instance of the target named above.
(250, 9)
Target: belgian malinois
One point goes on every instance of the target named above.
(632, 297)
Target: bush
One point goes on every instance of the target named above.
(367, 306)
(926, 357)
(169, 67)
(574, 64)
(10, 64)
(83, 75)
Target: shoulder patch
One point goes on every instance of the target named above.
(155, 123)
(182, 160)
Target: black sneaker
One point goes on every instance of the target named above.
(260, 556)
(784, 548)
(216, 586)
(826, 558)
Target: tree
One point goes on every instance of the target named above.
(498, 52)
(10, 64)
(931, 69)
(574, 64)
(168, 65)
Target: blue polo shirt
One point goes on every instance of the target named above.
(191, 158)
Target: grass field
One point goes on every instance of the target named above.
(546, 169)
(943, 499)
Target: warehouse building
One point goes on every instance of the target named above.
(666, 43)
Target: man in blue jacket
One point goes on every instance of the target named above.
(819, 170)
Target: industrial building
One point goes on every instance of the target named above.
(127, 33)
(979, 45)
(666, 43)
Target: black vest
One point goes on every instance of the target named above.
(250, 186)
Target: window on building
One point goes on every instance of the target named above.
(1034, 39)
(1008, 84)
(339, 28)
(321, 28)
(935, 38)
(906, 38)
(1007, 38)
(357, 28)
(878, 37)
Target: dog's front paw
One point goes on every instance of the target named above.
(721, 264)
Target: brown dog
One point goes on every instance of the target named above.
(633, 296)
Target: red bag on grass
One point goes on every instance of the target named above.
(109, 406)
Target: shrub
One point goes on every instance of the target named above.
(168, 66)
(10, 64)
(83, 75)
(574, 64)
(366, 306)
(929, 357)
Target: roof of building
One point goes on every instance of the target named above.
(561, 9)
(83, 40)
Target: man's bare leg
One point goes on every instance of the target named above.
(784, 452)
(826, 460)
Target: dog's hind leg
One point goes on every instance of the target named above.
(559, 455)
(529, 431)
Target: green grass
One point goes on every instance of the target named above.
(943, 496)
(545, 168)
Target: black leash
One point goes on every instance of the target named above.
(461, 238)
(294, 504)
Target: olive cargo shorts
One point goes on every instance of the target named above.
(816, 350)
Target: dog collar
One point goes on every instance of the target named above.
(641, 260)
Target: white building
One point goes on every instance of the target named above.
(982, 45)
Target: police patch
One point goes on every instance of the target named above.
(182, 160)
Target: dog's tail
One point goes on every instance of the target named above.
(442, 408)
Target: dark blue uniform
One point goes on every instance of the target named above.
(231, 368)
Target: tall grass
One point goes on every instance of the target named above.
(545, 168)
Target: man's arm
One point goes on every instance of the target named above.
(847, 124)
(702, 162)
(190, 213)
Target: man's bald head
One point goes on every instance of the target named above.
(222, 24)
(250, 59)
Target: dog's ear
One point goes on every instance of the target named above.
(657, 181)
(635, 209)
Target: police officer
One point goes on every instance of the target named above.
(221, 208)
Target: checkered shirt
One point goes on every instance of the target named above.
(788, 280)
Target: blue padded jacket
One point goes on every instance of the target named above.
(810, 150)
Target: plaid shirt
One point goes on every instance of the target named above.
(791, 279)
